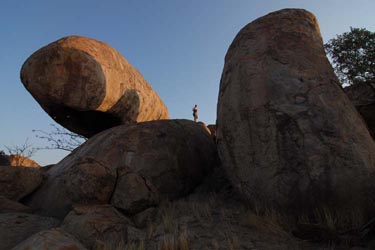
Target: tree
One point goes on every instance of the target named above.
(60, 138)
(353, 56)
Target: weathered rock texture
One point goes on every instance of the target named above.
(133, 192)
(16, 227)
(363, 98)
(87, 86)
(97, 227)
(17, 182)
(54, 239)
(17, 160)
(9, 206)
(171, 156)
(86, 180)
(288, 136)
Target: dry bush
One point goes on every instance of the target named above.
(233, 243)
(139, 245)
(178, 241)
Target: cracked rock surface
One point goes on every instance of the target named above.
(17, 182)
(288, 136)
(97, 226)
(167, 159)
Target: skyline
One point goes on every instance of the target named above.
(178, 47)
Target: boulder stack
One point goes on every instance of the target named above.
(129, 166)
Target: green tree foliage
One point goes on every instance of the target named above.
(353, 56)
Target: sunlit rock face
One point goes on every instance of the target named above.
(87, 86)
(288, 136)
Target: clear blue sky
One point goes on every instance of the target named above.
(178, 46)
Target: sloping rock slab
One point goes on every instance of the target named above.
(55, 239)
(9, 206)
(16, 227)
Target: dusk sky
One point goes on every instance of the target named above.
(178, 46)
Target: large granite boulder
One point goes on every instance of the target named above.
(16, 227)
(288, 136)
(362, 96)
(171, 157)
(54, 239)
(87, 86)
(17, 160)
(18, 182)
(97, 227)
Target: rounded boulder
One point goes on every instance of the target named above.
(87, 86)
(288, 136)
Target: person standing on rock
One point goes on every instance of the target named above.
(195, 112)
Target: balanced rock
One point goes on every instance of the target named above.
(16, 227)
(17, 182)
(362, 96)
(288, 136)
(17, 160)
(97, 226)
(54, 239)
(87, 86)
(171, 156)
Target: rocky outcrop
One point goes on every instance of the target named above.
(97, 227)
(288, 136)
(54, 239)
(362, 96)
(9, 206)
(17, 160)
(16, 227)
(166, 159)
(17, 182)
(87, 86)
